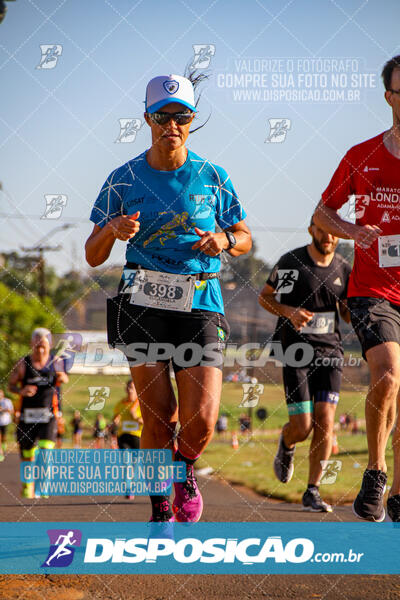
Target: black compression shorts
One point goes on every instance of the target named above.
(306, 385)
(28, 434)
(126, 441)
(150, 335)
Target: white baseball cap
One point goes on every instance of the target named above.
(165, 89)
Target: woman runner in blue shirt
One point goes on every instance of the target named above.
(165, 203)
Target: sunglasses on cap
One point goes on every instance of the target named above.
(180, 118)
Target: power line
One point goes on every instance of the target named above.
(85, 221)
(36, 217)
(40, 249)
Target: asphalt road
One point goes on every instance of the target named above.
(223, 502)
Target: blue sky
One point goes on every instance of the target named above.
(58, 126)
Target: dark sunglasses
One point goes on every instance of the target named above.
(162, 118)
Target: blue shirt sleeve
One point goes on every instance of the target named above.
(109, 202)
(229, 210)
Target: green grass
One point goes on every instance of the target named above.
(251, 464)
(76, 396)
(274, 401)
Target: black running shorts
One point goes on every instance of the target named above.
(307, 385)
(151, 335)
(375, 321)
(28, 434)
(126, 441)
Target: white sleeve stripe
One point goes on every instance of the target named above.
(221, 188)
(204, 162)
(231, 207)
(113, 185)
(231, 193)
(133, 176)
(219, 181)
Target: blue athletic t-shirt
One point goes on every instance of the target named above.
(171, 205)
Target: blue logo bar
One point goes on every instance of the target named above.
(213, 548)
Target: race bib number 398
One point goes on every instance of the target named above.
(167, 291)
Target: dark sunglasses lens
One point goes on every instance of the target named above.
(183, 119)
(160, 118)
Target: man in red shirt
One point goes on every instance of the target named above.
(370, 171)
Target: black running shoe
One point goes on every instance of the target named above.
(162, 513)
(312, 501)
(369, 503)
(162, 521)
(393, 508)
(283, 462)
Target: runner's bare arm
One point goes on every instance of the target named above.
(329, 220)
(16, 377)
(101, 241)
(243, 239)
(344, 311)
(297, 315)
(61, 377)
(213, 244)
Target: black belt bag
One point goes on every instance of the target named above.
(200, 276)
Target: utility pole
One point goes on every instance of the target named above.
(39, 249)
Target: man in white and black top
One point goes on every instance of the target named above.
(312, 284)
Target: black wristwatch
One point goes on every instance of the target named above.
(231, 239)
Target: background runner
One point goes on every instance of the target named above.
(371, 172)
(6, 416)
(34, 379)
(312, 284)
